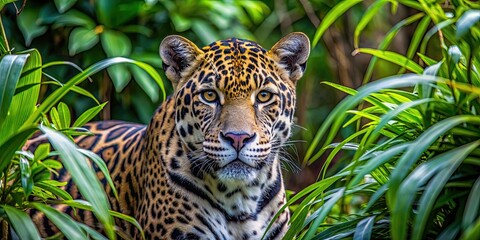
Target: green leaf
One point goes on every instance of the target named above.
(47, 186)
(335, 119)
(64, 5)
(88, 115)
(91, 232)
(102, 166)
(74, 18)
(81, 204)
(115, 43)
(332, 16)
(5, 2)
(148, 86)
(81, 39)
(22, 223)
(26, 176)
(64, 114)
(14, 143)
(466, 21)
(322, 213)
(55, 96)
(69, 227)
(120, 76)
(393, 57)
(10, 69)
(42, 151)
(83, 176)
(409, 187)
(367, 17)
(28, 25)
(472, 207)
(363, 231)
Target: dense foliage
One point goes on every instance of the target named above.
(413, 171)
(398, 156)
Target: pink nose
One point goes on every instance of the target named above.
(238, 140)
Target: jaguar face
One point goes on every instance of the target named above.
(234, 102)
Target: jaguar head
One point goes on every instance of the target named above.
(234, 102)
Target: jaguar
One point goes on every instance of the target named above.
(208, 165)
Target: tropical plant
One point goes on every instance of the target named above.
(25, 177)
(86, 31)
(411, 168)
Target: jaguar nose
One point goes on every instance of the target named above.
(237, 139)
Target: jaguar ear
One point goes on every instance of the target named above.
(292, 53)
(178, 54)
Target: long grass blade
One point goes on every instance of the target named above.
(83, 176)
(332, 16)
(69, 227)
(333, 122)
(54, 97)
(22, 223)
(11, 67)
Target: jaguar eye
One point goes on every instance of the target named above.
(209, 96)
(264, 96)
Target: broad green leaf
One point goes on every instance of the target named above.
(55, 96)
(29, 26)
(332, 16)
(24, 103)
(74, 18)
(64, 5)
(146, 83)
(81, 39)
(14, 143)
(64, 114)
(10, 69)
(69, 227)
(83, 176)
(22, 223)
(206, 33)
(466, 21)
(120, 76)
(42, 151)
(5, 2)
(88, 115)
(115, 43)
(393, 57)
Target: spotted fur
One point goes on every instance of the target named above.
(203, 168)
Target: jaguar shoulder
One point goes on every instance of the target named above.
(207, 166)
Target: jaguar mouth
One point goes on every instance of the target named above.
(237, 170)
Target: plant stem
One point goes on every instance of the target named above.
(4, 36)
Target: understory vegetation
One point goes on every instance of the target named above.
(390, 103)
